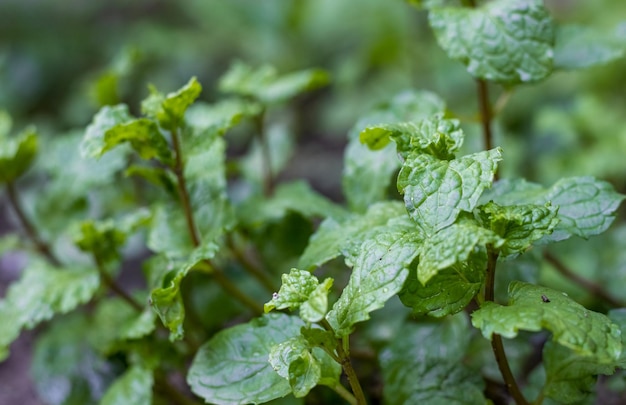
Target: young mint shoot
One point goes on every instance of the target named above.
(257, 288)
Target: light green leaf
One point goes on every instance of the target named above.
(203, 118)
(533, 308)
(294, 361)
(129, 324)
(167, 300)
(518, 225)
(436, 191)
(65, 368)
(579, 47)
(424, 364)
(503, 41)
(17, 154)
(41, 293)
(435, 136)
(449, 291)
(301, 289)
(378, 274)
(168, 232)
(108, 117)
(618, 316)
(134, 387)
(267, 86)
(452, 245)
(335, 238)
(297, 197)
(233, 367)
(586, 205)
(570, 378)
(169, 110)
(143, 135)
(5, 124)
(367, 173)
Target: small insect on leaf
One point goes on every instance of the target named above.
(544, 298)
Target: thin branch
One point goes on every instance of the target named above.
(344, 393)
(41, 246)
(588, 285)
(218, 274)
(343, 353)
(113, 286)
(496, 340)
(485, 113)
(251, 267)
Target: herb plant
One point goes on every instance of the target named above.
(393, 296)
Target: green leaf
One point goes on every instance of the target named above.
(65, 368)
(518, 225)
(586, 206)
(335, 238)
(167, 300)
(367, 173)
(108, 117)
(265, 85)
(294, 361)
(170, 110)
(378, 274)
(618, 316)
(502, 41)
(452, 245)
(143, 135)
(17, 154)
(449, 291)
(129, 324)
(534, 308)
(134, 387)
(203, 118)
(233, 367)
(436, 191)
(301, 289)
(435, 136)
(41, 293)
(168, 232)
(579, 47)
(424, 364)
(297, 197)
(570, 378)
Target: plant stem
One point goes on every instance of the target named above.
(268, 176)
(485, 113)
(41, 246)
(343, 354)
(496, 340)
(113, 286)
(218, 274)
(251, 267)
(344, 393)
(588, 285)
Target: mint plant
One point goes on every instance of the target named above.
(404, 284)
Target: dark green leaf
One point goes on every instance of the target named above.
(518, 225)
(294, 361)
(41, 293)
(170, 110)
(233, 367)
(579, 47)
(17, 154)
(134, 387)
(167, 300)
(436, 191)
(378, 274)
(534, 308)
(502, 41)
(449, 291)
(424, 365)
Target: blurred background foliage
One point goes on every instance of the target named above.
(60, 61)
